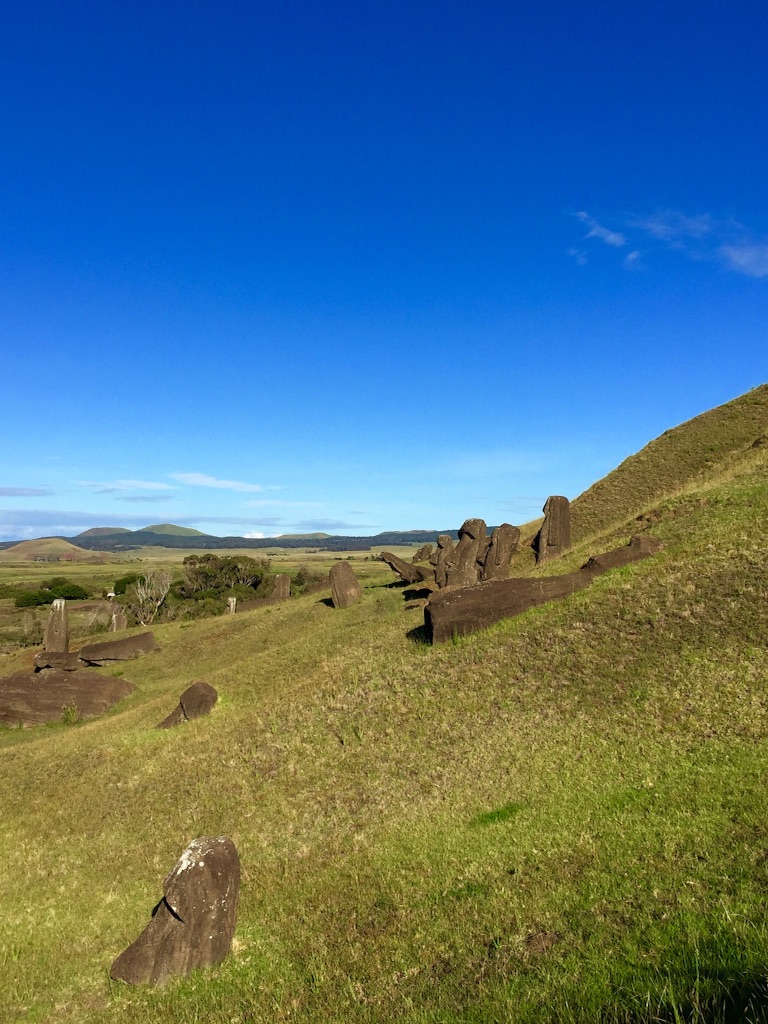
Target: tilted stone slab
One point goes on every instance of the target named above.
(196, 701)
(450, 613)
(345, 586)
(124, 649)
(194, 923)
(407, 571)
(39, 697)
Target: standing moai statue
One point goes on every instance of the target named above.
(345, 587)
(462, 565)
(119, 620)
(504, 541)
(57, 630)
(423, 554)
(282, 589)
(231, 605)
(554, 537)
(440, 558)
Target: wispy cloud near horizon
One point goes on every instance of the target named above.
(25, 492)
(204, 480)
(116, 486)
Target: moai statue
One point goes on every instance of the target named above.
(345, 586)
(554, 537)
(194, 923)
(282, 589)
(57, 630)
(441, 557)
(504, 541)
(423, 554)
(119, 620)
(231, 605)
(462, 567)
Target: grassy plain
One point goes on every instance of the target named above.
(562, 818)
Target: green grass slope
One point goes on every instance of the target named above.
(681, 457)
(172, 531)
(562, 818)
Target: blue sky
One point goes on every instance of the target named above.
(272, 267)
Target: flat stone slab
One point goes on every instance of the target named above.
(124, 649)
(66, 661)
(35, 698)
(194, 923)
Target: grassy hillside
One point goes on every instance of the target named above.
(47, 547)
(681, 457)
(563, 818)
(172, 531)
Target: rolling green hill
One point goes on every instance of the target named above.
(172, 531)
(563, 818)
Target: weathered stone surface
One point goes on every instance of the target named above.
(231, 605)
(38, 697)
(65, 662)
(194, 923)
(462, 566)
(57, 629)
(504, 541)
(456, 612)
(441, 557)
(282, 589)
(345, 587)
(119, 620)
(407, 571)
(423, 554)
(554, 537)
(196, 701)
(118, 650)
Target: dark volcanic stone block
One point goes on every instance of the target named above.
(196, 701)
(125, 649)
(441, 558)
(194, 923)
(504, 541)
(345, 587)
(38, 697)
(57, 629)
(423, 554)
(463, 566)
(451, 613)
(65, 661)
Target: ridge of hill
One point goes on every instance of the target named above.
(696, 450)
(104, 531)
(170, 530)
(565, 811)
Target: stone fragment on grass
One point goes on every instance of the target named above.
(65, 661)
(196, 701)
(38, 697)
(345, 587)
(194, 923)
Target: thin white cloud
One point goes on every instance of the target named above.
(597, 230)
(673, 225)
(25, 492)
(203, 480)
(115, 486)
(632, 259)
(749, 259)
(266, 502)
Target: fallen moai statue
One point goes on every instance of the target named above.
(196, 701)
(345, 587)
(450, 613)
(66, 661)
(407, 571)
(554, 537)
(194, 923)
(124, 649)
(37, 698)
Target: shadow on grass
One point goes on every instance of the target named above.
(418, 635)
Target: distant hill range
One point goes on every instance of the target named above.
(169, 536)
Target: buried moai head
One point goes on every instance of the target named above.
(424, 554)
(194, 923)
(463, 565)
(503, 544)
(57, 630)
(554, 537)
